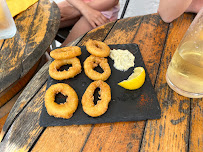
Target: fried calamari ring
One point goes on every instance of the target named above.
(61, 75)
(65, 52)
(91, 62)
(97, 48)
(64, 110)
(102, 105)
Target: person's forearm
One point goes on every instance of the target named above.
(171, 9)
(195, 6)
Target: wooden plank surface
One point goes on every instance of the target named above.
(42, 32)
(29, 104)
(36, 84)
(29, 117)
(36, 30)
(4, 111)
(126, 136)
(1, 42)
(12, 50)
(196, 126)
(24, 103)
(107, 137)
(75, 135)
(171, 132)
(2, 121)
(11, 91)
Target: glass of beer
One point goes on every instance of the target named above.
(185, 72)
(7, 24)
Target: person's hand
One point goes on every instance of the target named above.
(94, 17)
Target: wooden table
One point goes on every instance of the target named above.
(36, 29)
(179, 129)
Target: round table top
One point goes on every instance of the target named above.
(36, 29)
(181, 122)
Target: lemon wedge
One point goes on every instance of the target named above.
(135, 80)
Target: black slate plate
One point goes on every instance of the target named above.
(125, 105)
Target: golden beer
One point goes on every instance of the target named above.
(185, 72)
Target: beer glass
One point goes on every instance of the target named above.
(185, 72)
(7, 24)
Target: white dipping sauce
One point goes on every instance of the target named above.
(123, 59)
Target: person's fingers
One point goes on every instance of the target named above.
(93, 24)
(101, 20)
(98, 22)
(96, 19)
(104, 19)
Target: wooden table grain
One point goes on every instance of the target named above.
(179, 129)
(36, 29)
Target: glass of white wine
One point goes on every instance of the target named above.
(185, 72)
(7, 24)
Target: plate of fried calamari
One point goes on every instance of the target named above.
(98, 83)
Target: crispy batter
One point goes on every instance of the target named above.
(70, 73)
(102, 105)
(97, 48)
(91, 62)
(66, 109)
(65, 52)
